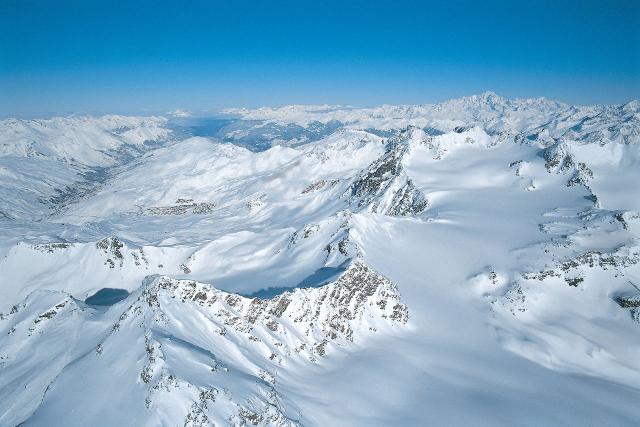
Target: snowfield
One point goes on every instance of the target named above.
(474, 262)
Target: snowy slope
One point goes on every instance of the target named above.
(226, 372)
(475, 262)
(43, 163)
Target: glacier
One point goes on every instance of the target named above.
(472, 262)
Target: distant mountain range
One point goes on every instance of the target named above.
(474, 262)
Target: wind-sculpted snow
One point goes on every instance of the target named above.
(179, 376)
(36, 342)
(273, 253)
(585, 276)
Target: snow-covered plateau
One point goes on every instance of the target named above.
(469, 263)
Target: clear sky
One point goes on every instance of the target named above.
(143, 56)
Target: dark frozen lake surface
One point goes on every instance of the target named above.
(107, 296)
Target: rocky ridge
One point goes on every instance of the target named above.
(298, 326)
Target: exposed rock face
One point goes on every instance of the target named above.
(558, 159)
(332, 312)
(617, 261)
(581, 176)
(181, 207)
(622, 258)
(384, 186)
(179, 352)
(314, 186)
(227, 389)
(213, 383)
(574, 265)
(112, 247)
(378, 176)
(52, 247)
(594, 282)
(408, 200)
(341, 247)
(303, 233)
(631, 303)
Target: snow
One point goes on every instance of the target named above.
(179, 112)
(508, 229)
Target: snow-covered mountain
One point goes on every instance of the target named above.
(474, 262)
(47, 162)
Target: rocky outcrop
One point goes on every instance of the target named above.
(378, 177)
(384, 186)
(581, 176)
(631, 303)
(558, 159)
(571, 269)
(407, 200)
(111, 246)
(303, 323)
(180, 207)
(230, 348)
(335, 312)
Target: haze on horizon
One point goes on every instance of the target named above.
(143, 57)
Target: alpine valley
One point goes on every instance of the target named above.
(473, 262)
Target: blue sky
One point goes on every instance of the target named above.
(144, 56)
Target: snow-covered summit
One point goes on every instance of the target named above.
(180, 376)
(488, 110)
(84, 140)
(323, 265)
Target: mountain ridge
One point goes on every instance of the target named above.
(429, 258)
